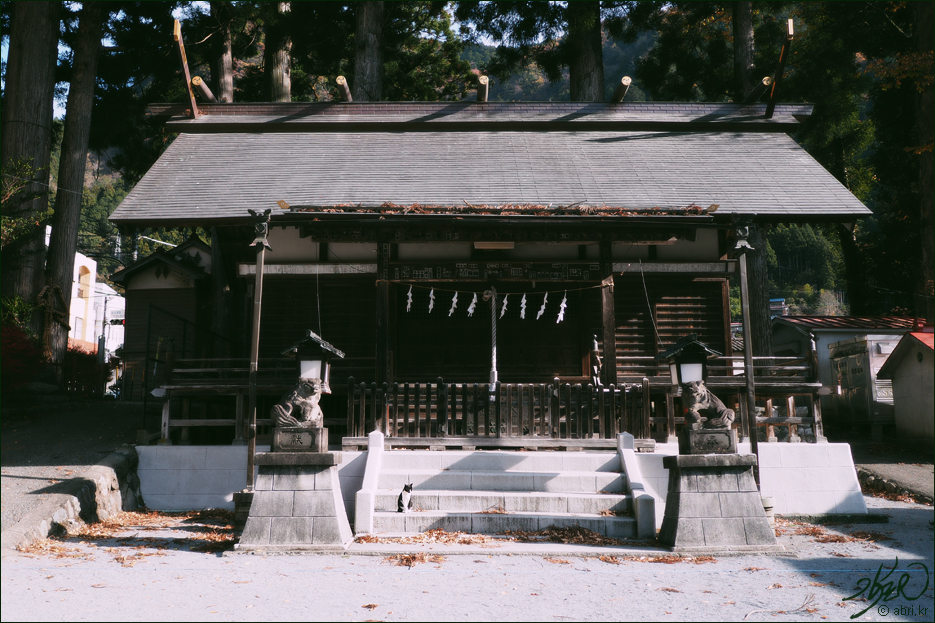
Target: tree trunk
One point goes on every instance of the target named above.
(856, 270)
(759, 293)
(276, 56)
(222, 58)
(924, 136)
(67, 218)
(742, 23)
(27, 135)
(585, 57)
(368, 53)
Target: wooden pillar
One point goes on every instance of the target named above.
(382, 370)
(748, 360)
(609, 324)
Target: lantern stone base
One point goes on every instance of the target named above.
(297, 505)
(713, 505)
(707, 441)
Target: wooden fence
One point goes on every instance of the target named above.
(548, 410)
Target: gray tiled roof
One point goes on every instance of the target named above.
(210, 177)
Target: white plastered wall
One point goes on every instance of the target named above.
(802, 478)
(178, 478)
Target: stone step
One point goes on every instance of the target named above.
(559, 482)
(490, 460)
(392, 524)
(522, 502)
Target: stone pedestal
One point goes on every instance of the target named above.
(297, 505)
(713, 505)
(299, 439)
(707, 441)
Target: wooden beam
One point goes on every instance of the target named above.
(621, 91)
(344, 91)
(483, 87)
(202, 88)
(382, 363)
(177, 36)
(248, 270)
(608, 317)
(757, 92)
(780, 69)
(715, 268)
(748, 361)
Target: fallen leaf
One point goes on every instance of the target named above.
(772, 586)
(669, 590)
(558, 561)
(370, 606)
(754, 569)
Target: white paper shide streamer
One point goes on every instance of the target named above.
(431, 300)
(409, 300)
(472, 305)
(503, 309)
(561, 307)
(545, 299)
(522, 307)
(454, 304)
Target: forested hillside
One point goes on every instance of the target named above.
(866, 66)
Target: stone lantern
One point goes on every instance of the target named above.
(708, 421)
(688, 360)
(313, 358)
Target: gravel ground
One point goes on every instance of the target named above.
(153, 574)
(43, 448)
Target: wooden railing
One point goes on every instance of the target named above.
(631, 369)
(546, 410)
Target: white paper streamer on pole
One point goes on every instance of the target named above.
(561, 307)
(503, 309)
(522, 307)
(545, 299)
(409, 300)
(431, 300)
(472, 305)
(454, 304)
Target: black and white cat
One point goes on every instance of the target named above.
(404, 502)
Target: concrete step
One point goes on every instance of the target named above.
(396, 524)
(491, 460)
(478, 480)
(518, 502)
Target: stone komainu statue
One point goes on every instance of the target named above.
(703, 403)
(300, 406)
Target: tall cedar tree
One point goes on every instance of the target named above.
(925, 288)
(368, 52)
(67, 218)
(551, 35)
(27, 134)
(277, 60)
(222, 56)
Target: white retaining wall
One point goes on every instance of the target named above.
(802, 478)
(177, 478)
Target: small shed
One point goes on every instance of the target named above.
(812, 336)
(910, 368)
